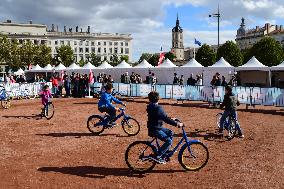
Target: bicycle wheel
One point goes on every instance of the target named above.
(218, 119)
(49, 111)
(194, 159)
(5, 103)
(131, 126)
(137, 157)
(95, 124)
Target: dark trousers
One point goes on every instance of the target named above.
(110, 111)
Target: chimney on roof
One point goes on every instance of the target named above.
(267, 26)
(281, 27)
(31, 22)
(257, 28)
(9, 21)
(276, 27)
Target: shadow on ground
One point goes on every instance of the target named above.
(34, 116)
(78, 135)
(99, 172)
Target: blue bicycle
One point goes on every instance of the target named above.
(229, 125)
(5, 100)
(97, 123)
(193, 155)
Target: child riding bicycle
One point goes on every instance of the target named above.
(45, 94)
(230, 103)
(105, 103)
(156, 117)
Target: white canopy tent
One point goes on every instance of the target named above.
(104, 65)
(88, 66)
(60, 67)
(144, 64)
(192, 64)
(254, 73)
(19, 72)
(222, 67)
(48, 68)
(167, 64)
(277, 75)
(123, 64)
(73, 67)
(36, 68)
(165, 72)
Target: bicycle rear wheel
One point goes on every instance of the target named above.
(137, 157)
(49, 111)
(5, 103)
(131, 126)
(195, 158)
(95, 124)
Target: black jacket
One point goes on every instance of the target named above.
(230, 102)
(156, 117)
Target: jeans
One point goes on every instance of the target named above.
(165, 135)
(234, 115)
(110, 111)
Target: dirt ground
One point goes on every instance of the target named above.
(61, 153)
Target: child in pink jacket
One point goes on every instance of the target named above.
(45, 94)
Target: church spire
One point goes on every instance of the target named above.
(177, 21)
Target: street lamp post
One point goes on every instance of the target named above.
(218, 15)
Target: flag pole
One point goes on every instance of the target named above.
(194, 50)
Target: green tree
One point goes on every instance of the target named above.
(95, 59)
(205, 55)
(28, 51)
(145, 56)
(14, 59)
(154, 59)
(231, 53)
(82, 62)
(124, 57)
(114, 60)
(170, 56)
(65, 55)
(43, 56)
(4, 48)
(268, 51)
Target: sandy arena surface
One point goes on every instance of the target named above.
(61, 153)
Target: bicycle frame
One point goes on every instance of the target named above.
(122, 114)
(172, 152)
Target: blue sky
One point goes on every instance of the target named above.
(149, 21)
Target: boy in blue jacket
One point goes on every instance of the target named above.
(105, 103)
(156, 117)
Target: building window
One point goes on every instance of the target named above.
(93, 43)
(81, 43)
(87, 50)
(75, 42)
(75, 58)
(110, 50)
(121, 50)
(127, 51)
(61, 42)
(81, 57)
(115, 50)
(99, 43)
(115, 43)
(105, 58)
(68, 43)
(121, 44)
(110, 43)
(35, 42)
(93, 50)
(126, 44)
(43, 42)
(105, 43)
(99, 50)
(75, 49)
(81, 50)
(56, 42)
(87, 43)
(105, 50)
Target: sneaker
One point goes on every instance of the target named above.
(241, 136)
(157, 159)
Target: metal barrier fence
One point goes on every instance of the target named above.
(24, 90)
(246, 95)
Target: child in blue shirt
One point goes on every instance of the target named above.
(156, 117)
(105, 103)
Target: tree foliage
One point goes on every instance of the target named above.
(170, 56)
(231, 53)
(268, 51)
(65, 55)
(205, 55)
(145, 56)
(124, 57)
(95, 59)
(43, 56)
(154, 59)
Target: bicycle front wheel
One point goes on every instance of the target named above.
(137, 157)
(195, 157)
(49, 111)
(5, 103)
(131, 126)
